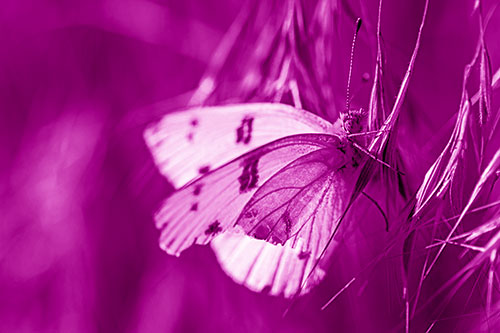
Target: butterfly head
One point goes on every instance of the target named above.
(352, 121)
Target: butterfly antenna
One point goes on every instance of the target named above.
(348, 97)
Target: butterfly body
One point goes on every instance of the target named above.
(268, 189)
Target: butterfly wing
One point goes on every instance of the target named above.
(265, 267)
(291, 218)
(184, 146)
(189, 143)
(211, 204)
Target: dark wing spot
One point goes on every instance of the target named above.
(249, 131)
(204, 169)
(239, 134)
(197, 189)
(244, 131)
(194, 122)
(254, 174)
(190, 137)
(213, 228)
(261, 232)
(251, 214)
(304, 255)
(276, 240)
(288, 223)
(250, 175)
(194, 207)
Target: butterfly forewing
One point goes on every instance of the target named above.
(189, 143)
(212, 203)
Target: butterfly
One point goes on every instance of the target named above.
(265, 184)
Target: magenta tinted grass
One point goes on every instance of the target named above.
(80, 188)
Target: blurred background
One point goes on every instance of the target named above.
(80, 80)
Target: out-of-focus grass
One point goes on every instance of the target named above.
(78, 249)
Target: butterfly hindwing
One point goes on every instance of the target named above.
(272, 212)
(187, 144)
(294, 213)
(212, 203)
(262, 266)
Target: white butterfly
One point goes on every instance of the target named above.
(266, 184)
